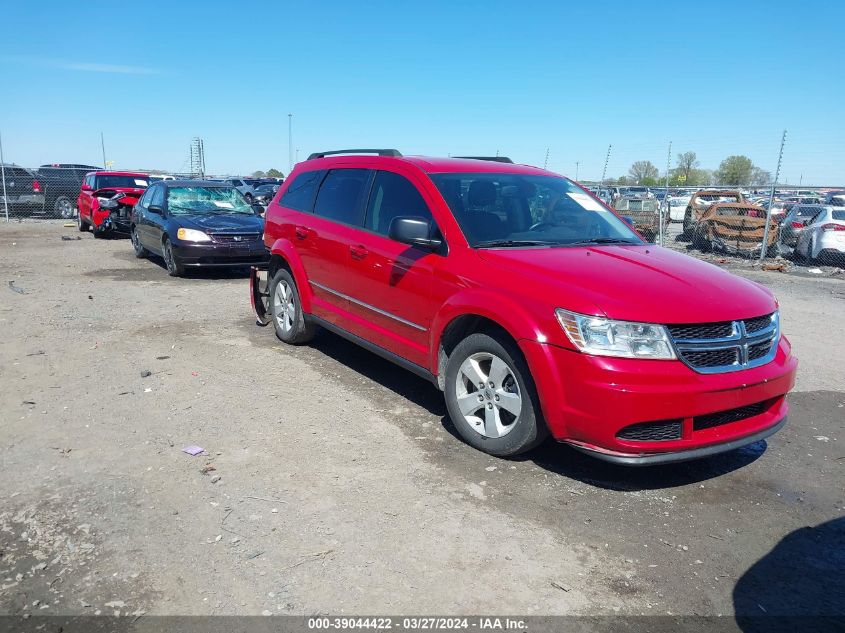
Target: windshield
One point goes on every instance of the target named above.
(112, 181)
(504, 210)
(206, 201)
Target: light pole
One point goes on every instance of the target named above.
(577, 166)
(290, 143)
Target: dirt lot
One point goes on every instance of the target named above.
(342, 488)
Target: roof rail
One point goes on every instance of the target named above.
(380, 152)
(495, 159)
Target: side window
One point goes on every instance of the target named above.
(299, 196)
(92, 181)
(144, 201)
(392, 196)
(342, 194)
(157, 196)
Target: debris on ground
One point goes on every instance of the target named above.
(162, 357)
(775, 267)
(815, 271)
(560, 586)
(67, 238)
(216, 478)
(14, 288)
(207, 469)
(193, 450)
(146, 373)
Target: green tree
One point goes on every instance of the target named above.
(760, 177)
(735, 171)
(258, 174)
(642, 170)
(274, 173)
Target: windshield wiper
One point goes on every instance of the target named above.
(603, 240)
(506, 243)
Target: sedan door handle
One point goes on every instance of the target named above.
(302, 232)
(358, 252)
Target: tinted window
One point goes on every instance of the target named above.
(129, 182)
(300, 194)
(838, 215)
(393, 195)
(342, 194)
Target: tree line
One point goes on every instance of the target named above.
(270, 173)
(737, 170)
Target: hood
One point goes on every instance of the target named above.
(636, 283)
(132, 196)
(229, 223)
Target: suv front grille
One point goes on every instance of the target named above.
(701, 422)
(652, 431)
(711, 348)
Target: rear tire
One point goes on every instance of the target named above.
(140, 251)
(286, 310)
(174, 266)
(491, 396)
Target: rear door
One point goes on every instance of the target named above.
(324, 243)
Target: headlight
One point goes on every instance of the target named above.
(107, 203)
(190, 235)
(605, 337)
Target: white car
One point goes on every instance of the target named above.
(677, 207)
(824, 237)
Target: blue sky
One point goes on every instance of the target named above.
(426, 78)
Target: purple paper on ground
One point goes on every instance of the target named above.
(193, 449)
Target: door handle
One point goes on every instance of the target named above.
(358, 252)
(301, 232)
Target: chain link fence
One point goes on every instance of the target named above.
(49, 191)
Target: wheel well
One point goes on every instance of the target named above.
(277, 262)
(457, 330)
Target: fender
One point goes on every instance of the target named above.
(285, 249)
(500, 308)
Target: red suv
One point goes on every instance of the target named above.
(106, 200)
(528, 302)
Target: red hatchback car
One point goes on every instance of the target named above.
(529, 303)
(106, 200)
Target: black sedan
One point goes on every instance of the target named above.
(198, 223)
(264, 193)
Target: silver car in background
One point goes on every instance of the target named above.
(823, 239)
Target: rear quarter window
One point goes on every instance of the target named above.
(300, 194)
(342, 194)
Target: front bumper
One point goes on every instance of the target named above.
(588, 400)
(221, 255)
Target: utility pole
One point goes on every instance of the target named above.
(3, 178)
(665, 202)
(606, 160)
(765, 245)
(577, 166)
(546, 162)
(103, 146)
(290, 143)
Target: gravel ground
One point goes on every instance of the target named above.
(332, 482)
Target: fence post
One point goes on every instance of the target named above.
(3, 177)
(665, 202)
(764, 247)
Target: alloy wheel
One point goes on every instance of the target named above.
(284, 309)
(488, 395)
(64, 208)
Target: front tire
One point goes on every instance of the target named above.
(286, 310)
(174, 266)
(491, 397)
(63, 208)
(81, 224)
(140, 251)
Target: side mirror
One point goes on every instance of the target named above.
(86, 187)
(414, 231)
(154, 208)
(257, 209)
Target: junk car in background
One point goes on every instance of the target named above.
(643, 214)
(701, 201)
(734, 227)
(106, 199)
(24, 194)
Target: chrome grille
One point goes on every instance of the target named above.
(711, 348)
(229, 238)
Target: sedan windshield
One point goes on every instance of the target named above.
(206, 201)
(515, 210)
